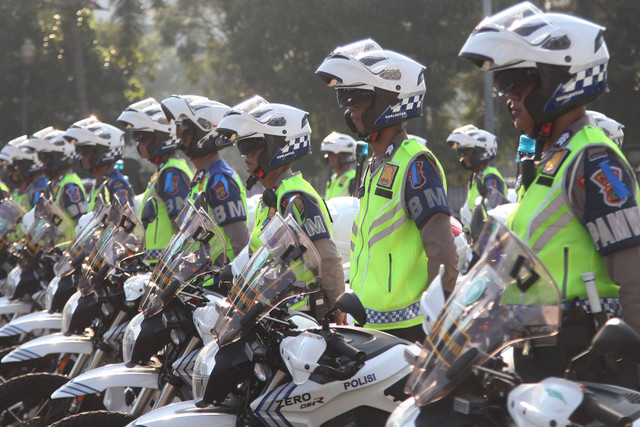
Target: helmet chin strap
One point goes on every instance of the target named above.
(255, 176)
(371, 138)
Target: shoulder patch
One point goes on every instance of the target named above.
(221, 190)
(415, 174)
(73, 192)
(553, 164)
(610, 197)
(171, 183)
(387, 176)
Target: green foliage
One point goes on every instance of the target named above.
(48, 83)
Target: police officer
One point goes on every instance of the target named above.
(169, 186)
(271, 137)
(477, 148)
(402, 232)
(57, 155)
(340, 152)
(100, 146)
(25, 172)
(223, 193)
(579, 211)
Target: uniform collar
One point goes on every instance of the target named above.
(390, 150)
(288, 173)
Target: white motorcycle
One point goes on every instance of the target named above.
(262, 368)
(507, 297)
(97, 314)
(160, 344)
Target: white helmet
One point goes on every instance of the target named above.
(469, 137)
(12, 149)
(79, 130)
(339, 143)
(610, 127)
(566, 57)
(364, 69)
(53, 149)
(420, 139)
(146, 116)
(106, 142)
(284, 129)
(22, 157)
(200, 113)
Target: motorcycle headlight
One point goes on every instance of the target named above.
(130, 336)
(205, 362)
(67, 311)
(51, 291)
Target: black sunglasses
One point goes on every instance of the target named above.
(351, 97)
(183, 126)
(249, 145)
(139, 136)
(513, 79)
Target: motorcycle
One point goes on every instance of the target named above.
(160, 343)
(508, 297)
(262, 368)
(25, 284)
(99, 305)
(62, 286)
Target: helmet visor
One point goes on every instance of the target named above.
(514, 79)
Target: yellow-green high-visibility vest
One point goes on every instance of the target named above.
(388, 262)
(544, 221)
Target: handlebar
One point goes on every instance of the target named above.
(602, 413)
(338, 345)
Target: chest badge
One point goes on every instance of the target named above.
(387, 176)
(553, 164)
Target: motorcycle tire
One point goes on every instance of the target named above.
(96, 419)
(27, 396)
(59, 408)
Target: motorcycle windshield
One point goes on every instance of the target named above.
(10, 215)
(284, 268)
(508, 296)
(50, 228)
(186, 256)
(83, 242)
(118, 240)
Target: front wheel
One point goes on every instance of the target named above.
(96, 419)
(27, 397)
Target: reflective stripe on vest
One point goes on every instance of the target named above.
(160, 230)
(545, 223)
(388, 262)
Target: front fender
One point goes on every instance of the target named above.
(30, 322)
(50, 344)
(187, 414)
(109, 376)
(14, 307)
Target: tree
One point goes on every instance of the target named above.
(52, 77)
